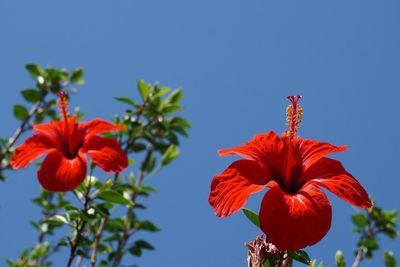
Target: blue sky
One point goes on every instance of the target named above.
(236, 62)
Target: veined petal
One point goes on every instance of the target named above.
(311, 151)
(294, 221)
(31, 149)
(265, 148)
(60, 174)
(230, 189)
(330, 174)
(98, 126)
(106, 153)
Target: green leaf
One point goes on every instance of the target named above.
(34, 70)
(359, 220)
(126, 100)
(147, 226)
(162, 91)
(144, 89)
(136, 249)
(339, 259)
(175, 97)
(115, 197)
(252, 216)
(20, 112)
(57, 220)
(77, 76)
(300, 256)
(390, 261)
(170, 154)
(31, 95)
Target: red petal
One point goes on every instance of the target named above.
(98, 126)
(295, 221)
(265, 148)
(106, 153)
(31, 149)
(311, 151)
(230, 189)
(330, 174)
(60, 174)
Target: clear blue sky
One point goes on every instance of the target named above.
(236, 61)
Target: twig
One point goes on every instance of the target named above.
(126, 234)
(20, 130)
(74, 244)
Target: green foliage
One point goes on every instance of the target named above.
(252, 216)
(370, 225)
(300, 256)
(389, 259)
(101, 214)
(20, 112)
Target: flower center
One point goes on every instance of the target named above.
(294, 114)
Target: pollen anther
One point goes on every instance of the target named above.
(62, 103)
(294, 114)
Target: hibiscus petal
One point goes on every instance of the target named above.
(33, 147)
(311, 151)
(230, 189)
(98, 126)
(106, 153)
(60, 174)
(265, 148)
(294, 221)
(330, 174)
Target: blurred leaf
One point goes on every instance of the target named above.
(170, 154)
(115, 197)
(175, 97)
(34, 70)
(252, 216)
(77, 76)
(57, 220)
(300, 256)
(339, 259)
(162, 91)
(151, 163)
(31, 95)
(126, 100)
(144, 89)
(359, 220)
(390, 261)
(147, 226)
(136, 249)
(20, 112)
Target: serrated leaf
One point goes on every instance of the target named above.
(144, 89)
(20, 112)
(300, 256)
(389, 259)
(31, 95)
(170, 154)
(125, 100)
(252, 216)
(114, 196)
(77, 76)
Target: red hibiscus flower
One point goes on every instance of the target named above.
(66, 142)
(294, 212)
